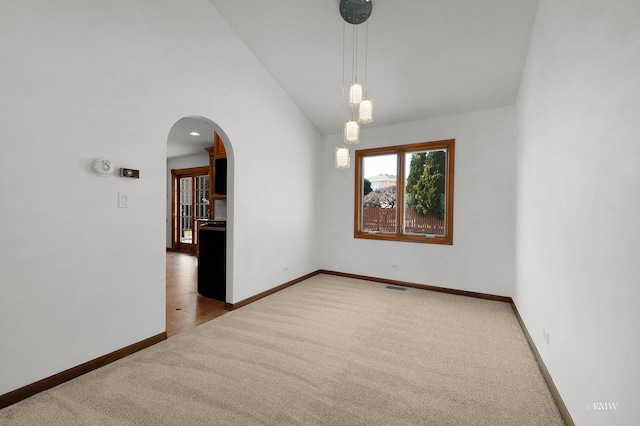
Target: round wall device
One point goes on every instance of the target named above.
(102, 166)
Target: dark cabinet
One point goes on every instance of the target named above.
(220, 186)
(212, 260)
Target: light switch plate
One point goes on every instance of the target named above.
(124, 200)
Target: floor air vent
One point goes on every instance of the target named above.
(393, 287)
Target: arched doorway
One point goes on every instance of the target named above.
(196, 148)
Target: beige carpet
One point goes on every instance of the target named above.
(327, 351)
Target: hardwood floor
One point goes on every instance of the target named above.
(185, 307)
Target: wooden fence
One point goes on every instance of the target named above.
(381, 219)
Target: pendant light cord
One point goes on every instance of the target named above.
(355, 55)
(366, 57)
(344, 36)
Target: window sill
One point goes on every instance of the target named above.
(444, 240)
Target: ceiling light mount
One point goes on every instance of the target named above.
(355, 11)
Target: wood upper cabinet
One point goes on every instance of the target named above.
(217, 169)
(218, 147)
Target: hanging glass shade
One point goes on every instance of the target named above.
(351, 132)
(355, 94)
(343, 160)
(365, 111)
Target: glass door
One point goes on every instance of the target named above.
(190, 203)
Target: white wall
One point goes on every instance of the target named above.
(195, 160)
(578, 233)
(481, 258)
(80, 277)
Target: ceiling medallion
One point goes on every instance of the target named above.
(355, 11)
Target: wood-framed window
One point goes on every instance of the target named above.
(405, 192)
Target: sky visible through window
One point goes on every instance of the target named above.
(379, 165)
(375, 165)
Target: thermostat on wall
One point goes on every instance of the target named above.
(102, 166)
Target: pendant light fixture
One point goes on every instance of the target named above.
(354, 12)
(343, 160)
(355, 94)
(351, 132)
(365, 108)
(365, 111)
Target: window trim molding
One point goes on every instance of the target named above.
(401, 150)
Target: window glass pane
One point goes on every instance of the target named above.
(202, 197)
(184, 211)
(380, 181)
(424, 195)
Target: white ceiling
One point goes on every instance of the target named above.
(181, 143)
(426, 58)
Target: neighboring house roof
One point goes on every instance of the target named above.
(381, 178)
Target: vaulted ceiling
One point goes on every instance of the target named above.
(426, 58)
